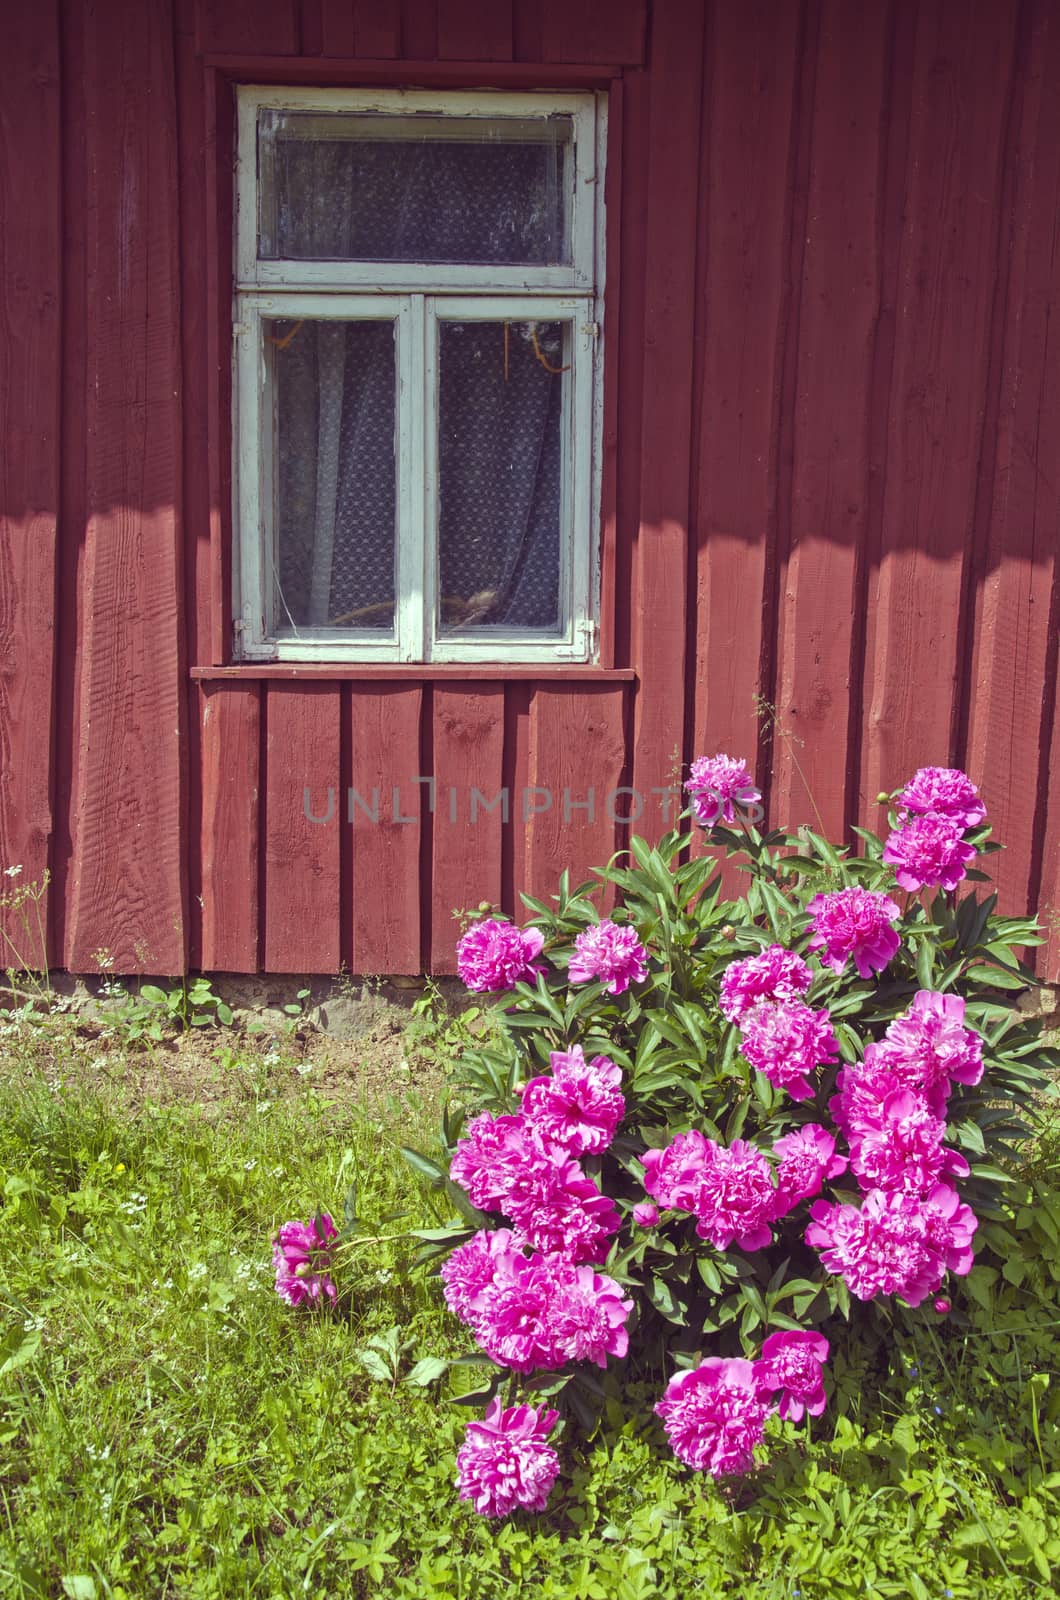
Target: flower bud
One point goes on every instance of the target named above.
(728, 931)
(882, 799)
(942, 1306)
(645, 1214)
(303, 1270)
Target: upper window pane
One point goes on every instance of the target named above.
(368, 186)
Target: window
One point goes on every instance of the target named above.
(417, 375)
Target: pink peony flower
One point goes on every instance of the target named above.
(673, 1175)
(949, 1226)
(882, 1247)
(791, 1364)
(645, 1215)
(807, 1159)
(302, 1253)
(715, 782)
(612, 954)
(470, 1268)
(495, 955)
(773, 974)
(730, 1190)
(942, 792)
(929, 1049)
(541, 1312)
(495, 1154)
(580, 1106)
(556, 1209)
(854, 922)
(505, 1461)
(714, 1416)
(928, 852)
(863, 1087)
(904, 1150)
(787, 1042)
(589, 1317)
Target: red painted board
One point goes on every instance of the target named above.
(576, 759)
(230, 736)
(302, 828)
(125, 890)
(269, 27)
(370, 28)
(661, 552)
(419, 30)
(214, 589)
(195, 245)
(1017, 562)
(73, 432)
(310, 27)
(839, 299)
(381, 819)
(624, 354)
(608, 30)
(30, 231)
(949, 255)
(468, 743)
(470, 31)
(744, 301)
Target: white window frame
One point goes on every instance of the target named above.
(419, 297)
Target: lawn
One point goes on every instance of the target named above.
(169, 1427)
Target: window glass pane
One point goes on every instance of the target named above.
(368, 187)
(501, 405)
(334, 472)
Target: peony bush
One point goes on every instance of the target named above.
(718, 1133)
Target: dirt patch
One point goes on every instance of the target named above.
(222, 1070)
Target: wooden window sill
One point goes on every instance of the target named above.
(384, 671)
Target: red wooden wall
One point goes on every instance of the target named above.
(832, 423)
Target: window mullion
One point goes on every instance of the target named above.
(410, 603)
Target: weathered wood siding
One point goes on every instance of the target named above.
(830, 505)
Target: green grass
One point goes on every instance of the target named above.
(169, 1428)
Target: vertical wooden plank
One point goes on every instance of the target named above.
(468, 31)
(527, 30)
(126, 888)
(746, 164)
(628, 350)
(963, 72)
(214, 588)
(311, 28)
(839, 306)
(468, 740)
(576, 754)
(73, 434)
(419, 30)
(604, 30)
(30, 234)
(370, 28)
(230, 733)
(302, 828)
(195, 369)
(383, 821)
(661, 552)
(254, 27)
(1017, 564)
